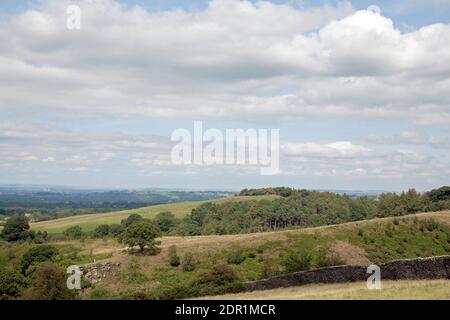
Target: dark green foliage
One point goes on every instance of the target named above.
(11, 283)
(133, 218)
(37, 255)
(280, 191)
(165, 221)
(294, 261)
(188, 227)
(301, 208)
(17, 228)
(50, 283)
(220, 279)
(174, 259)
(101, 231)
(189, 263)
(116, 229)
(74, 233)
(440, 194)
(142, 234)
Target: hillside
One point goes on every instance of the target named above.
(261, 255)
(90, 221)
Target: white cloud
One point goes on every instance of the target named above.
(230, 60)
(341, 149)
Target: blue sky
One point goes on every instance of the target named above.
(362, 100)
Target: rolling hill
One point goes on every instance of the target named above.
(91, 221)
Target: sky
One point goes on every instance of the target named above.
(361, 98)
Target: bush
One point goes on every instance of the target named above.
(37, 255)
(430, 224)
(220, 279)
(11, 283)
(188, 262)
(101, 231)
(74, 233)
(327, 259)
(294, 261)
(270, 269)
(49, 283)
(235, 256)
(174, 259)
(116, 229)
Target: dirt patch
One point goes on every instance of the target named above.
(349, 253)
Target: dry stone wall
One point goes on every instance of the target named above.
(414, 269)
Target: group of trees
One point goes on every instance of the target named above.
(305, 209)
(294, 208)
(17, 228)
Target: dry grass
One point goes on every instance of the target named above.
(392, 290)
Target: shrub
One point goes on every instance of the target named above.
(174, 259)
(101, 231)
(11, 284)
(116, 229)
(235, 256)
(49, 283)
(430, 224)
(74, 233)
(270, 269)
(294, 261)
(38, 254)
(327, 259)
(189, 262)
(220, 279)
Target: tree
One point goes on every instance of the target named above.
(50, 283)
(142, 234)
(17, 228)
(165, 221)
(74, 233)
(38, 254)
(134, 218)
(440, 194)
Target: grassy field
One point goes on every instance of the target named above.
(398, 290)
(91, 221)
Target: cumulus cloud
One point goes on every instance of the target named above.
(232, 59)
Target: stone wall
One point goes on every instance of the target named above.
(414, 269)
(95, 272)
